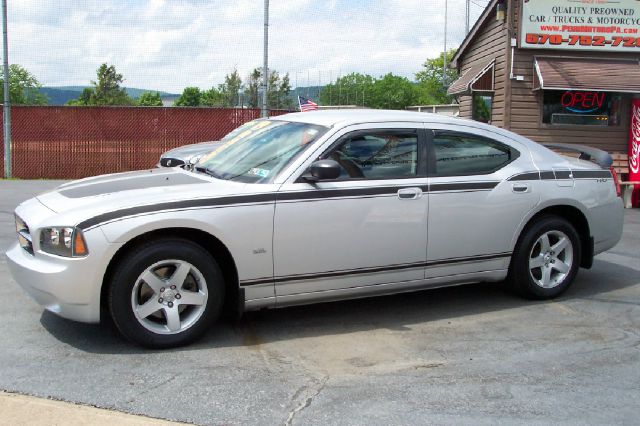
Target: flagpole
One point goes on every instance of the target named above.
(265, 65)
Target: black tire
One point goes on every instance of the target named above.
(525, 277)
(125, 280)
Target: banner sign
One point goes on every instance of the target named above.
(634, 147)
(599, 25)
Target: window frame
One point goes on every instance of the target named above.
(421, 168)
(432, 159)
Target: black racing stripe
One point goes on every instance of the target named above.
(337, 193)
(562, 174)
(369, 270)
(463, 186)
(592, 174)
(526, 176)
(282, 196)
(547, 175)
(175, 205)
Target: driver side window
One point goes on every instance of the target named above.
(376, 155)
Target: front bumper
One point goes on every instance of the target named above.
(68, 287)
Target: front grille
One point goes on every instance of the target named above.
(24, 236)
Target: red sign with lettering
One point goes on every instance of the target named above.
(583, 102)
(634, 149)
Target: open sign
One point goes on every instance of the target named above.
(583, 102)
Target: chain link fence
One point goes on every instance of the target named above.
(75, 142)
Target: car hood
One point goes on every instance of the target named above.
(86, 198)
(187, 151)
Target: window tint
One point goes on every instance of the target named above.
(377, 155)
(465, 154)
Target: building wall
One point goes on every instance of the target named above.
(490, 42)
(525, 112)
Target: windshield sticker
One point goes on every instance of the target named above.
(259, 172)
(260, 125)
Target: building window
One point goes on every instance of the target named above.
(577, 107)
(482, 107)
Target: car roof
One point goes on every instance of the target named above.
(345, 117)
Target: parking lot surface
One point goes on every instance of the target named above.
(472, 354)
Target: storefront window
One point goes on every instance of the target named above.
(482, 107)
(587, 108)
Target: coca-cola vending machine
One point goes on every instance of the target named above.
(634, 150)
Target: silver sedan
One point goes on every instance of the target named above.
(313, 207)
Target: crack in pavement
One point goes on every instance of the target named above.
(307, 401)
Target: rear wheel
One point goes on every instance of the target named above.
(546, 259)
(166, 293)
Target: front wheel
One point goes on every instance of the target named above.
(166, 293)
(546, 259)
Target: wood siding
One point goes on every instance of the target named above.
(516, 106)
(526, 104)
(490, 42)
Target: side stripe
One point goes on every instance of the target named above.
(370, 270)
(281, 196)
(562, 174)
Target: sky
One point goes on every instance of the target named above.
(171, 44)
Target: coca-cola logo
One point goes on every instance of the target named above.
(634, 155)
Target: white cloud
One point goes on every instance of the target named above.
(167, 45)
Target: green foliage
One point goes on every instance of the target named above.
(191, 96)
(390, 91)
(351, 89)
(252, 88)
(432, 88)
(277, 92)
(105, 91)
(230, 89)
(212, 97)
(24, 88)
(150, 99)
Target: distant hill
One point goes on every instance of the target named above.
(60, 95)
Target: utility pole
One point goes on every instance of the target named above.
(466, 16)
(7, 99)
(265, 64)
(444, 57)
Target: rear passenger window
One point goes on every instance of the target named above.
(377, 155)
(465, 154)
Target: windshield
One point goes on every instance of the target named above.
(260, 151)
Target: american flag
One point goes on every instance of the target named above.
(307, 104)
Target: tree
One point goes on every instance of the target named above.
(106, 90)
(432, 88)
(212, 97)
(230, 89)
(150, 99)
(392, 92)
(252, 88)
(24, 88)
(191, 96)
(277, 93)
(350, 89)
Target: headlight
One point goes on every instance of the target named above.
(63, 241)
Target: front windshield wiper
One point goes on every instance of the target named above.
(209, 172)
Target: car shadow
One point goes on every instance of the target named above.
(395, 312)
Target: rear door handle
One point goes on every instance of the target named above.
(520, 187)
(409, 193)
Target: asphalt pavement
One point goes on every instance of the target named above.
(472, 354)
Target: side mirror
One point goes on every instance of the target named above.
(323, 170)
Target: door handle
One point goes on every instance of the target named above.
(520, 187)
(409, 193)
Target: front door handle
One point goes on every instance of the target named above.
(409, 193)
